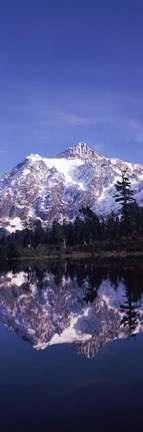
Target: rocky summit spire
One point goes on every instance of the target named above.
(82, 151)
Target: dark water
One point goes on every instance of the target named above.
(71, 347)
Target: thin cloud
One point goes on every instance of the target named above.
(136, 130)
(5, 151)
(107, 115)
(59, 118)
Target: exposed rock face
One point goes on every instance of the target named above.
(57, 188)
(82, 151)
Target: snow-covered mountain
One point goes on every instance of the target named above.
(49, 189)
(45, 314)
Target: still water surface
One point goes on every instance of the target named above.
(71, 347)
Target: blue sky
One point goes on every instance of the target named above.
(71, 71)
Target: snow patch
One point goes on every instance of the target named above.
(15, 224)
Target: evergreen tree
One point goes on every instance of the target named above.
(39, 233)
(69, 234)
(112, 226)
(134, 218)
(79, 231)
(131, 313)
(124, 196)
(57, 234)
(91, 225)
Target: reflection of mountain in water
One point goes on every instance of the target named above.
(83, 309)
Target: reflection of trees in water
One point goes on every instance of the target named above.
(132, 279)
(113, 275)
(90, 294)
(65, 279)
(94, 278)
(131, 313)
(88, 274)
(58, 270)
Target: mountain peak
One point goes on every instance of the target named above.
(82, 151)
(56, 188)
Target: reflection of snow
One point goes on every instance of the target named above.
(16, 279)
(55, 315)
(70, 334)
(114, 298)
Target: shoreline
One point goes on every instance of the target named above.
(77, 255)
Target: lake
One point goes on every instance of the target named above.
(71, 336)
